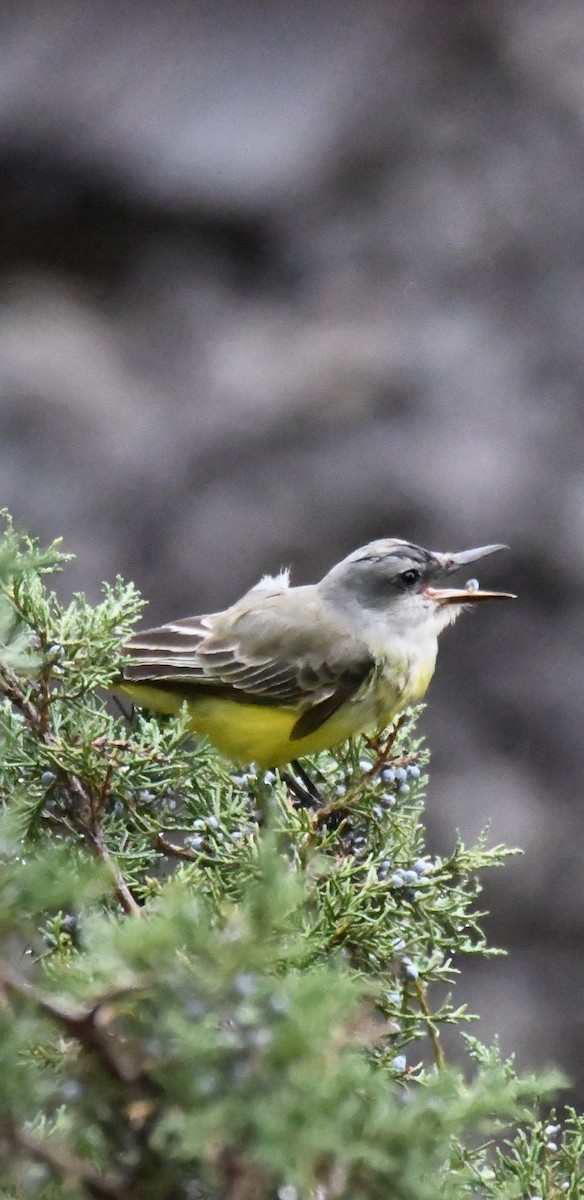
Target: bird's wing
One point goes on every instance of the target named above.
(255, 656)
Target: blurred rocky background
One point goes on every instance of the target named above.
(284, 276)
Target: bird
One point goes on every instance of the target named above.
(289, 671)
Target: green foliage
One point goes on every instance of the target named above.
(208, 989)
(21, 563)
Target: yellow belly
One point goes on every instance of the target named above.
(256, 732)
(260, 733)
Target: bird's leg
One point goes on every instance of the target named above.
(308, 782)
(300, 795)
(303, 788)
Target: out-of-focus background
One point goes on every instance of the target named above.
(284, 276)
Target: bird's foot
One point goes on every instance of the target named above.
(303, 787)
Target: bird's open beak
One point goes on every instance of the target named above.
(464, 595)
(452, 562)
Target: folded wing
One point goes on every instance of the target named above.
(252, 658)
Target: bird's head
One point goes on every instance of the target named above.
(406, 582)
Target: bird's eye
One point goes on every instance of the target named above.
(411, 577)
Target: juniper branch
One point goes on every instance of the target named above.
(19, 1143)
(37, 719)
(83, 1024)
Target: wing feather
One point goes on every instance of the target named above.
(253, 655)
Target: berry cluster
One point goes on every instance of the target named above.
(207, 833)
(247, 1025)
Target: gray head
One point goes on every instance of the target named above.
(397, 576)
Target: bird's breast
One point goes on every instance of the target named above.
(403, 674)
